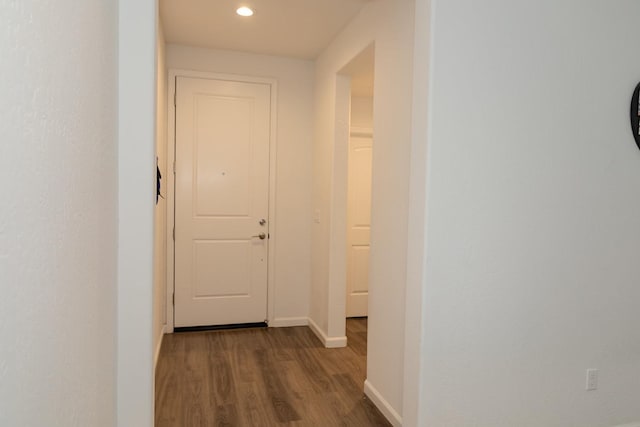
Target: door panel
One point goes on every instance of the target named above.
(222, 193)
(360, 269)
(223, 174)
(227, 261)
(359, 225)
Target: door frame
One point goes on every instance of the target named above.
(171, 157)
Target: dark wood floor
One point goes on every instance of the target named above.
(263, 377)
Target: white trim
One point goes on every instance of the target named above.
(170, 194)
(414, 412)
(333, 342)
(285, 322)
(273, 150)
(390, 414)
(158, 347)
(273, 170)
(180, 72)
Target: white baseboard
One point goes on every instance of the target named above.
(285, 322)
(157, 352)
(372, 393)
(329, 342)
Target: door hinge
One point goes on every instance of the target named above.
(174, 98)
(174, 167)
(173, 300)
(174, 233)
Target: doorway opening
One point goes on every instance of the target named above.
(359, 164)
(393, 102)
(353, 153)
(221, 254)
(320, 264)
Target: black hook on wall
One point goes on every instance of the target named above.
(635, 115)
(158, 178)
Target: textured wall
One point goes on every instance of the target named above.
(533, 207)
(57, 213)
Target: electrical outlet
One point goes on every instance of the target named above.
(592, 379)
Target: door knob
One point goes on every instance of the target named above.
(262, 221)
(262, 236)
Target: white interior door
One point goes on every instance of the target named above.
(222, 201)
(359, 224)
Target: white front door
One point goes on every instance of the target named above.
(359, 225)
(222, 201)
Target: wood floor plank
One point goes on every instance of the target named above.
(276, 387)
(263, 377)
(254, 408)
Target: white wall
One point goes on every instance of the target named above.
(136, 200)
(58, 229)
(293, 174)
(533, 209)
(361, 112)
(390, 25)
(160, 232)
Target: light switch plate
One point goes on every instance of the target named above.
(592, 379)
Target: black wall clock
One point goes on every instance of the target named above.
(635, 115)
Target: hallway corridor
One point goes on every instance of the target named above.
(263, 377)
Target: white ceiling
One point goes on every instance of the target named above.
(293, 28)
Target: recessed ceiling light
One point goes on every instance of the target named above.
(244, 11)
